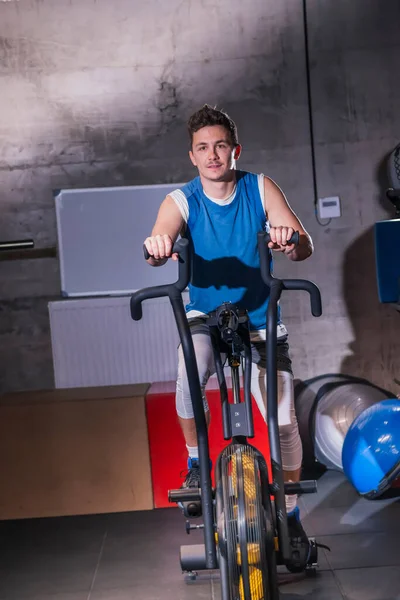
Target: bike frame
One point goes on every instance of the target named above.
(234, 418)
(277, 487)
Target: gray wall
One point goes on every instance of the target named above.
(354, 61)
(97, 94)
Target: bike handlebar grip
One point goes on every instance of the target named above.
(295, 239)
(179, 248)
(300, 487)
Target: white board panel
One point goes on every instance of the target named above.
(100, 239)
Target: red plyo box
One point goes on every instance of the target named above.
(168, 453)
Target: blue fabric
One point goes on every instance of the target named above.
(371, 448)
(387, 253)
(194, 462)
(295, 513)
(226, 264)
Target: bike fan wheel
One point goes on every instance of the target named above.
(245, 527)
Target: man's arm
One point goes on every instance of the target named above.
(167, 227)
(284, 223)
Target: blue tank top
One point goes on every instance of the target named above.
(226, 264)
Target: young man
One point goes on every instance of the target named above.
(220, 212)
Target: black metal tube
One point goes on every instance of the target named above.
(17, 245)
(158, 291)
(301, 487)
(182, 249)
(146, 294)
(184, 495)
(288, 284)
(276, 286)
(247, 388)
(224, 576)
(242, 527)
(220, 514)
(265, 257)
(174, 291)
(201, 426)
(219, 369)
(272, 420)
(306, 286)
(235, 384)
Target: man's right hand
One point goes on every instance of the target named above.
(160, 249)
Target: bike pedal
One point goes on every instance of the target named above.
(312, 562)
(301, 562)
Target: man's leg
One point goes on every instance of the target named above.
(184, 408)
(290, 441)
(188, 428)
(289, 437)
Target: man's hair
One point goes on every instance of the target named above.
(208, 116)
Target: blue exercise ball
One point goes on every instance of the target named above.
(371, 448)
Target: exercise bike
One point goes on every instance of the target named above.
(244, 518)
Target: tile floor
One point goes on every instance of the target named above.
(134, 556)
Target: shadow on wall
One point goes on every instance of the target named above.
(90, 149)
(375, 325)
(91, 156)
(124, 152)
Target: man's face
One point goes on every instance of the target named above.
(213, 153)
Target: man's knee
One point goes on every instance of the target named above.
(289, 430)
(204, 359)
(287, 420)
(183, 398)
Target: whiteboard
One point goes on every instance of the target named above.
(100, 235)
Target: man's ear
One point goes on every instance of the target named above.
(192, 158)
(237, 151)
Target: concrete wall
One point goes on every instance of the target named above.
(355, 94)
(97, 93)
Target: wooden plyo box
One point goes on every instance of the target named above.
(74, 451)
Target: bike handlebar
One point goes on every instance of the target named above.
(182, 249)
(174, 291)
(287, 284)
(393, 194)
